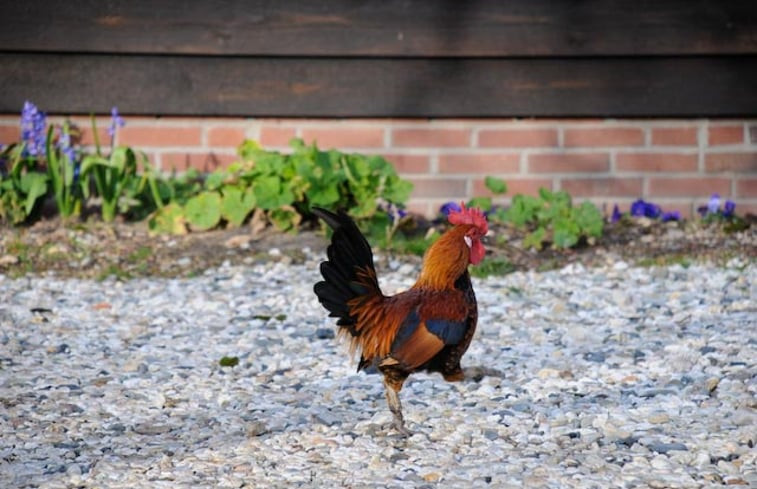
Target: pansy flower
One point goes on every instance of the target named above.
(449, 207)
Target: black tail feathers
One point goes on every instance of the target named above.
(348, 253)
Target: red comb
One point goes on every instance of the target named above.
(471, 215)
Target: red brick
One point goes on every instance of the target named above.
(689, 187)
(477, 163)
(568, 162)
(675, 136)
(439, 187)
(87, 138)
(159, 136)
(603, 187)
(226, 136)
(345, 137)
(431, 138)
(421, 208)
(746, 187)
(656, 162)
(718, 135)
(409, 163)
(205, 162)
(744, 208)
(604, 137)
(517, 138)
(739, 162)
(529, 186)
(276, 136)
(9, 134)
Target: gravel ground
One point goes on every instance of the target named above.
(594, 378)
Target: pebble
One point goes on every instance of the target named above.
(605, 377)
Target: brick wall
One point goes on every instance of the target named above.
(676, 163)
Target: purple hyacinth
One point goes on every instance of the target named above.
(449, 207)
(64, 144)
(33, 124)
(115, 122)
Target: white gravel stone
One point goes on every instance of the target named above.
(580, 378)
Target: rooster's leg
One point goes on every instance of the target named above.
(393, 384)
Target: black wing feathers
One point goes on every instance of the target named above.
(348, 252)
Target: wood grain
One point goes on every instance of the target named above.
(394, 28)
(344, 87)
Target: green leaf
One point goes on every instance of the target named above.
(270, 193)
(589, 219)
(323, 196)
(236, 204)
(228, 361)
(203, 211)
(398, 192)
(168, 219)
(285, 218)
(215, 180)
(496, 185)
(565, 233)
(523, 209)
(535, 239)
(34, 186)
(483, 203)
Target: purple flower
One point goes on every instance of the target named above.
(64, 145)
(652, 210)
(449, 207)
(646, 209)
(714, 204)
(33, 124)
(728, 209)
(637, 208)
(115, 122)
(671, 216)
(616, 214)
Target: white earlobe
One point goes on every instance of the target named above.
(468, 241)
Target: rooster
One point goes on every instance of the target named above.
(427, 327)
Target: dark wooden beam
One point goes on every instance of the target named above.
(392, 28)
(328, 87)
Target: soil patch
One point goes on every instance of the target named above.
(125, 250)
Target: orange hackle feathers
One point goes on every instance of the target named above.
(469, 215)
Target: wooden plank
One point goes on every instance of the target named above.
(325, 87)
(395, 28)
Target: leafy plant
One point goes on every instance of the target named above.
(553, 218)
(548, 218)
(283, 188)
(64, 172)
(21, 187)
(115, 175)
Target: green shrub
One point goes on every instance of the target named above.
(284, 187)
